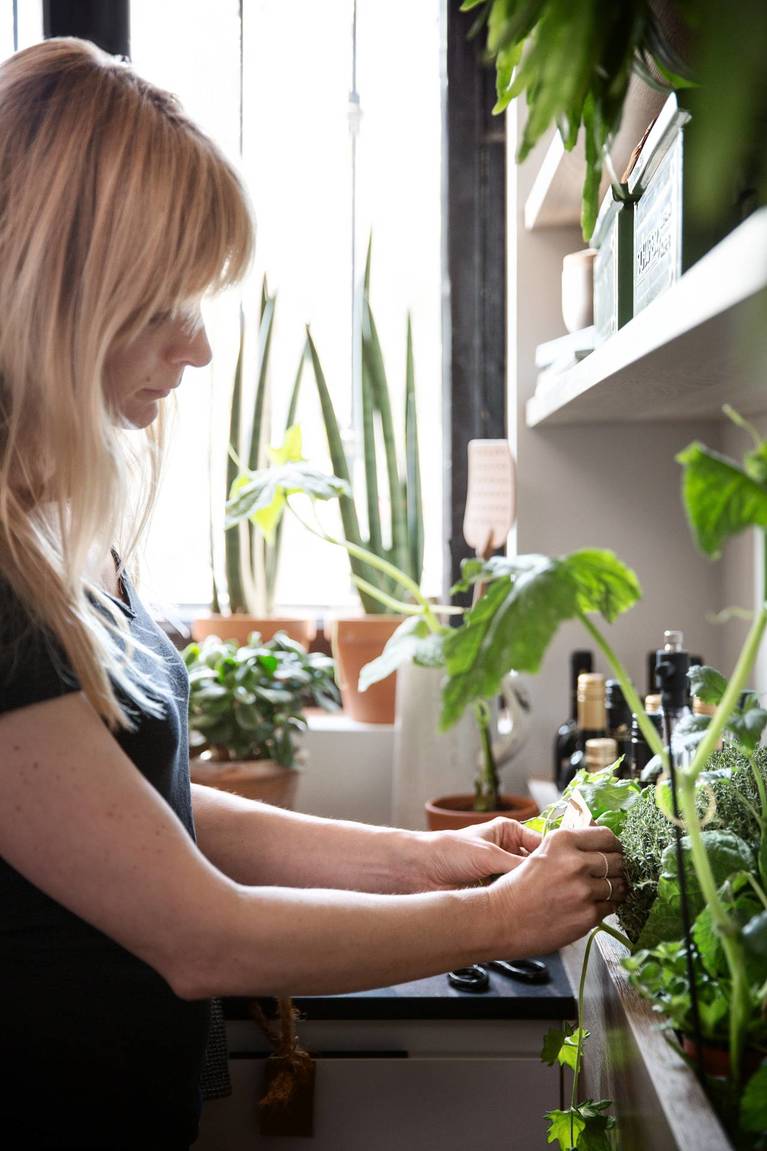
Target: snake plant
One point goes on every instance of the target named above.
(397, 538)
(251, 559)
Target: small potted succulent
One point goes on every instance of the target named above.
(247, 708)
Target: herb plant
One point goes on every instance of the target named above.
(249, 702)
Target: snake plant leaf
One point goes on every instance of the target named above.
(513, 622)
(412, 642)
(373, 367)
(412, 495)
(273, 553)
(720, 498)
(341, 468)
(232, 549)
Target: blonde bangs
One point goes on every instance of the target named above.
(114, 206)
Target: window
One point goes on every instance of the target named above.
(299, 64)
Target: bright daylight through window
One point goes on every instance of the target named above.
(316, 201)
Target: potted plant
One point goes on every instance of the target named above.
(247, 708)
(251, 558)
(698, 856)
(396, 538)
(419, 638)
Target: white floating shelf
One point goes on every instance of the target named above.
(701, 344)
(555, 197)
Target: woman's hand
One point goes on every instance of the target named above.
(558, 893)
(474, 854)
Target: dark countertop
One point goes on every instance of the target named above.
(435, 998)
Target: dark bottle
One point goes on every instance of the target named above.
(591, 721)
(564, 742)
(652, 683)
(641, 753)
(618, 715)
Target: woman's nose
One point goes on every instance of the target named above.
(191, 348)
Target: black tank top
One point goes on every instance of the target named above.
(96, 1050)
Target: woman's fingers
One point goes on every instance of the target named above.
(608, 890)
(603, 864)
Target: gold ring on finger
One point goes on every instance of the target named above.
(609, 887)
(607, 865)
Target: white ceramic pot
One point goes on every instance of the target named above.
(428, 762)
(578, 289)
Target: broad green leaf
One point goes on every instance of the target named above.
(514, 621)
(553, 1040)
(753, 1105)
(565, 1127)
(289, 450)
(720, 498)
(708, 684)
(260, 496)
(412, 642)
(747, 727)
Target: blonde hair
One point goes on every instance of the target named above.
(114, 207)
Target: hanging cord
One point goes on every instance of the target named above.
(286, 1046)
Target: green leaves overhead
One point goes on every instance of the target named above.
(720, 497)
(573, 62)
(513, 623)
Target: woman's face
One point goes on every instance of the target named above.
(140, 374)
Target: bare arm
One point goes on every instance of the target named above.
(80, 822)
(257, 843)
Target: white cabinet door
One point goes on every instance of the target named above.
(398, 1104)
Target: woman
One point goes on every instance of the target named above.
(127, 896)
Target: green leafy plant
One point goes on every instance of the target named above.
(573, 63)
(722, 498)
(249, 702)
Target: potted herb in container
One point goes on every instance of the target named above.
(247, 710)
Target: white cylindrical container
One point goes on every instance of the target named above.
(578, 289)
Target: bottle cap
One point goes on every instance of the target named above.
(601, 752)
(701, 708)
(591, 685)
(652, 703)
(673, 641)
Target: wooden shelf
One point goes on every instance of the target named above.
(555, 197)
(699, 345)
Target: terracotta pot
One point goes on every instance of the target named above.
(356, 641)
(238, 627)
(716, 1057)
(252, 778)
(454, 811)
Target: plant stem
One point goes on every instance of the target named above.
(726, 928)
(487, 784)
(616, 935)
(379, 564)
(632, 699)
(729, 701)
(759, 781)
(579, 1046)
(758, 889)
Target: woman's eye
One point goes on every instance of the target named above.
(159, 318)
